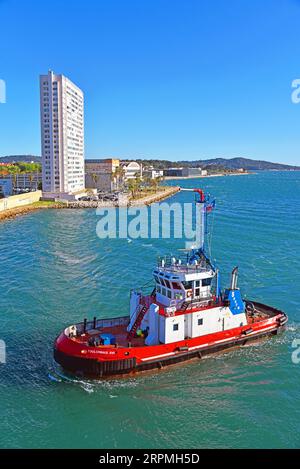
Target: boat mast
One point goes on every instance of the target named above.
(203, 205)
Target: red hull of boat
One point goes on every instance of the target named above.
(114, 360)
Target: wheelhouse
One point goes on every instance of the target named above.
(179, 280)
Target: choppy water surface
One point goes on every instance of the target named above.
(55, 271)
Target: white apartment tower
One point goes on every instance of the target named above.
(62, 132)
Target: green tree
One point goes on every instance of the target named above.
(95, 178)
(132, 187)
(154, 184)
(30, 178)
(147, 181)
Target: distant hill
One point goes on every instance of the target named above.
(227, 163)
(246, 163)
(20, 158)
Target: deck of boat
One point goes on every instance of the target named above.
(118, 328)
(119, 332)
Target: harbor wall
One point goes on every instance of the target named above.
(160, 195)
(19, 200)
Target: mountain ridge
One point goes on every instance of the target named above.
(228, 163)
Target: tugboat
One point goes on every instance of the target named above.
(186, 316)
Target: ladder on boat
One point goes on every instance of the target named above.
(139, 317)
(185, 305)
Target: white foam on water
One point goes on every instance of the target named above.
(53, 378)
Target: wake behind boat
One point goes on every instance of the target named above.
(186, 316)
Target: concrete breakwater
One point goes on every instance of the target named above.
(150, 199)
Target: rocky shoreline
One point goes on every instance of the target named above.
(147, 200)
(18, 211)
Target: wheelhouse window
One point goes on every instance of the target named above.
(156, 278)
(200, 322)
(197, 288)
(175, 327)
(188, 285)
(206, 282)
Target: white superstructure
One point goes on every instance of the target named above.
(187, 301)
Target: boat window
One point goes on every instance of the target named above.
(175, 327)
(163, 291)
(167, 283)
(206, 282)
(197, 288)
(169, 293)
(188, 285)
(200, 322)
(176, 286)
(158, 289)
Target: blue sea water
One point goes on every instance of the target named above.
(55, 271)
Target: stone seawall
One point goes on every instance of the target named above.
(17, 211)
(160, 195)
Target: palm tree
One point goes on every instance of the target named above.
(147, 181)
(118, 176)
(30, 178)
(95, 178)
(138, 182)
(154, 184)
(37, 168)
(12, 170)
(113, 178)
(132, 187)
(17, 171)
(122, 174)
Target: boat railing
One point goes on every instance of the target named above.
(100, 324)
(182, 263)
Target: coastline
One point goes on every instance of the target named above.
(171, 178)
(160, 195)
(12, 213)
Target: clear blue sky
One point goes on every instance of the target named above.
(174, 79)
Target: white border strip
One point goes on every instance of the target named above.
(208, 344)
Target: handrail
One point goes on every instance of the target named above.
(102, 323)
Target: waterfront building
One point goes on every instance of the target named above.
(131, 169)
(99, 173)
(62, 136)
(185, 172)
(6, 187)
(153, 173)
(110, 173)
(21, 182)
